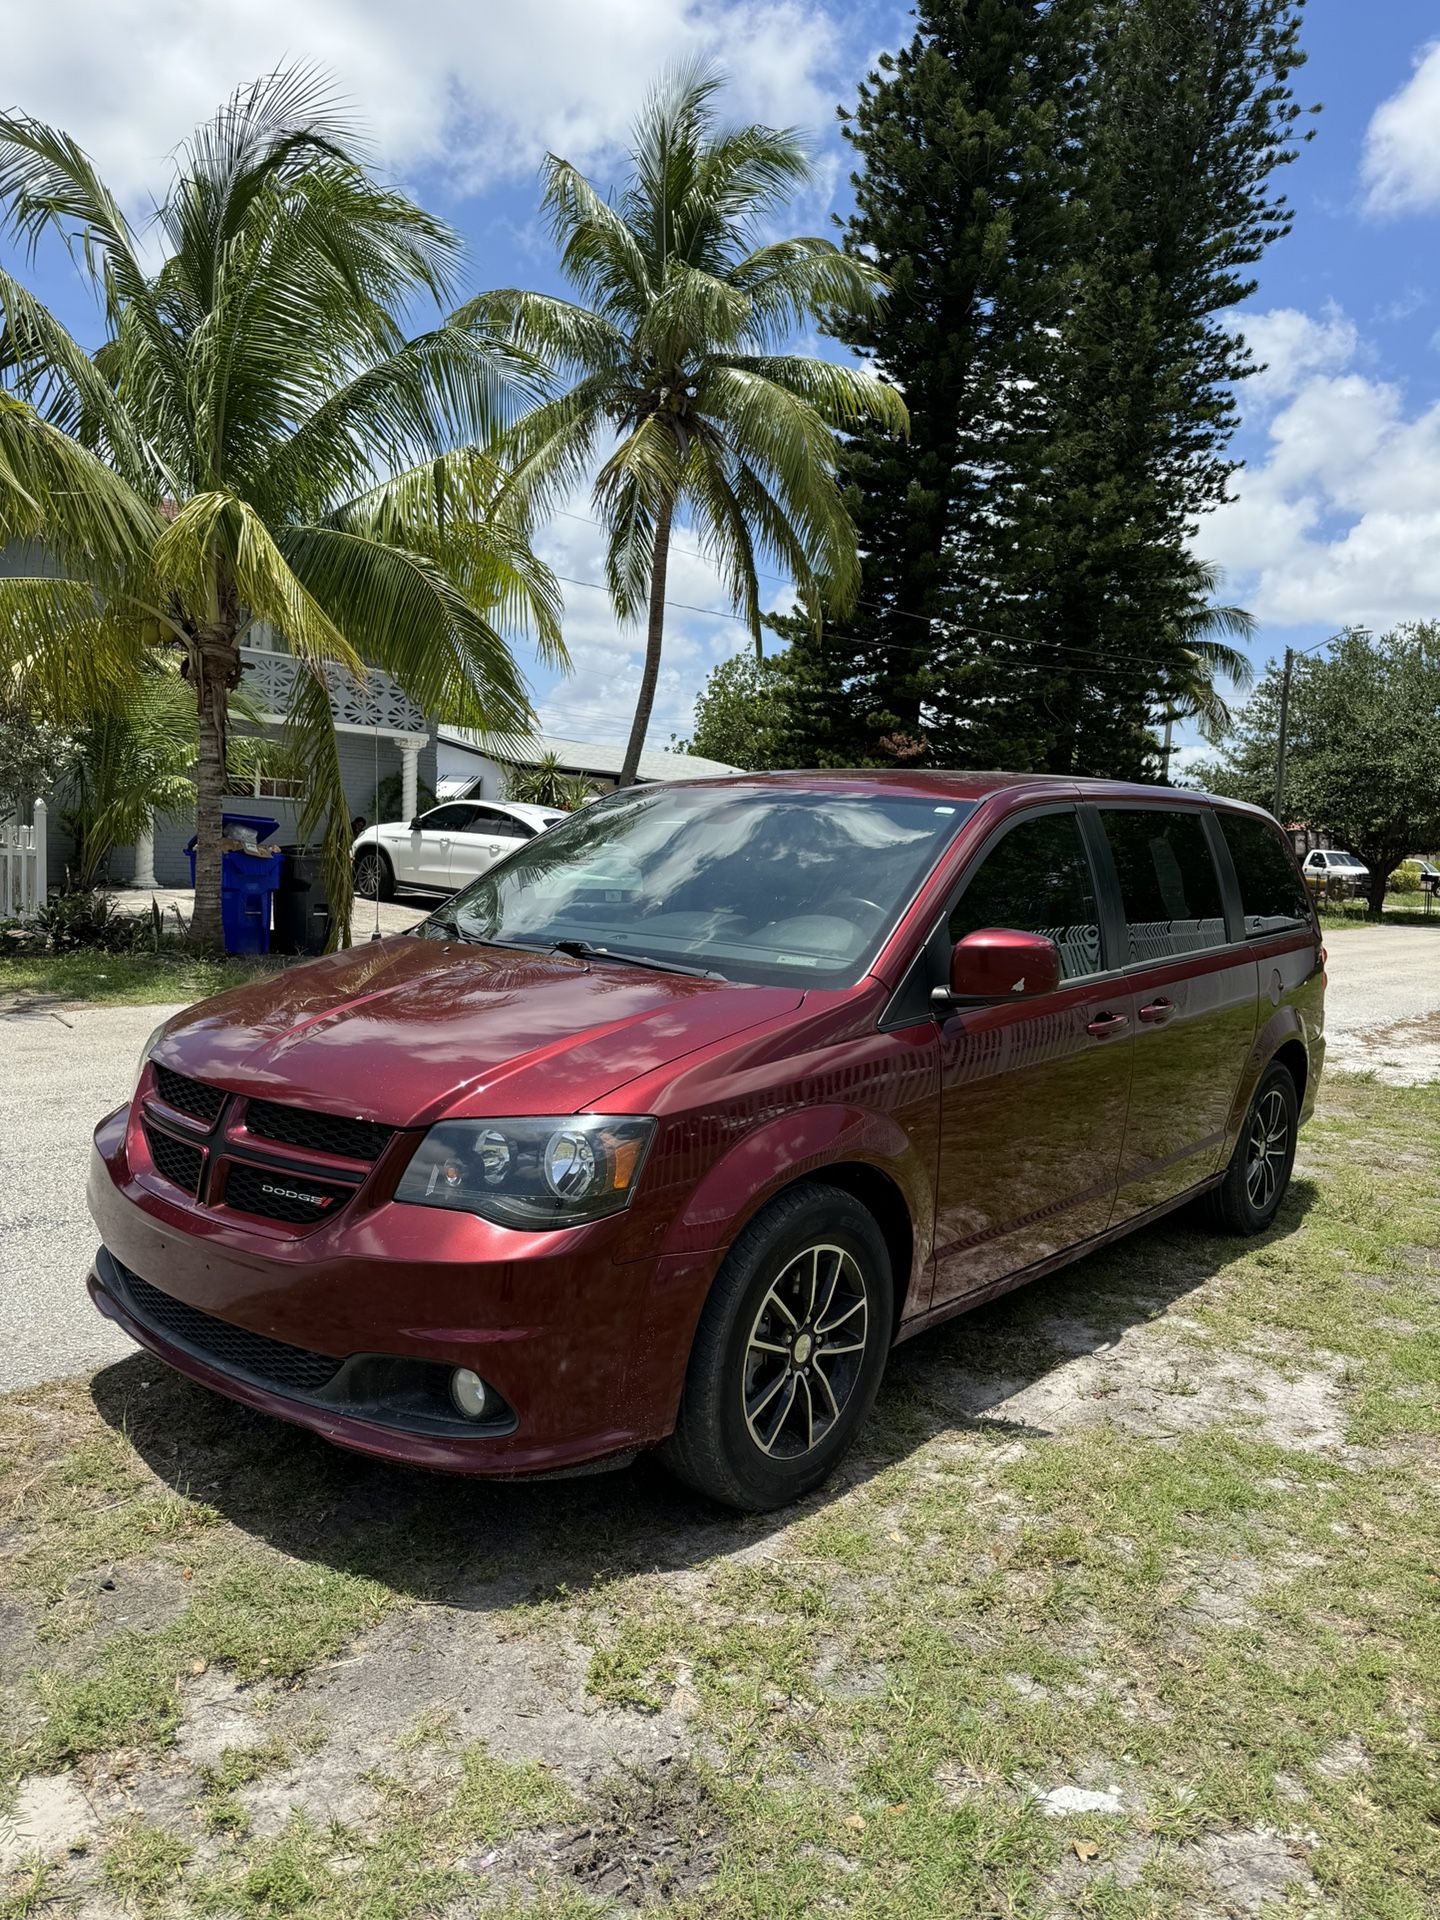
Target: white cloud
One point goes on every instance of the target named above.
(478, 93)
(1400, 163)
(1289, 346)
(597, 702)
(1339, 520)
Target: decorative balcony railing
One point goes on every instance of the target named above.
(375, 704)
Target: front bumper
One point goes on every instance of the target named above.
(351, 1329)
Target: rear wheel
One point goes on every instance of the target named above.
(1249, 1196)
(788, 1354)
(374, 876)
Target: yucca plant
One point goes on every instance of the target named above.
(258, 440)
(669, 370)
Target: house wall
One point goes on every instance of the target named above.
(358, 753)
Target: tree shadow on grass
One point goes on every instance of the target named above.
(477, 1544)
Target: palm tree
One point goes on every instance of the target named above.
(669, 370)
(257, 441)
(1189, 691)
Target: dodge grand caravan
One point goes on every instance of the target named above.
(662, 1132)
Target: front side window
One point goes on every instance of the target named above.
(1272, 894)
(454, 818)
(1168, 884)
(1037, 879)
(774, 885)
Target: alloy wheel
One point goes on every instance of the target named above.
(1269, 1140)
(805, 1350)
(369, 875)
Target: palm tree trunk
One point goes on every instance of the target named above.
(215, 668)
(654, 635)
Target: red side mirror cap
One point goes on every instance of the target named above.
(1001, 963)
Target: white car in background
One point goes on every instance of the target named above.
(1329, 867)
(446, 848)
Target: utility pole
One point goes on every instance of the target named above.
(1280, 749)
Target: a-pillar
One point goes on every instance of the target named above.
(409, 745)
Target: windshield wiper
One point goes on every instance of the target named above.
(583, 950)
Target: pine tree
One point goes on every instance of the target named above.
(1189, 113)
(964, 147)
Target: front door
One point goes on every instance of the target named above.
(1034, 1093)
(1195, 1001)
(429, 844)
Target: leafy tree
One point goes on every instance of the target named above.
(1363, 746)
(1188, 116)
(669, 371)
(741, 715)
(31, 753)
(964, 140)
(258, 441)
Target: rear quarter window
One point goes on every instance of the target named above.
(1272, 894)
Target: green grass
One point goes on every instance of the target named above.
(125, 979)
(1191, 1555)
(1403, 909)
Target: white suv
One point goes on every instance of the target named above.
(444, 849)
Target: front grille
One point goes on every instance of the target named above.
(176, 1159)
(274, 1194)
(272, 1362)
(185, 1095)
(320, 1132)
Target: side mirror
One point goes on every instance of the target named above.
(415, 824)
(1001, 963)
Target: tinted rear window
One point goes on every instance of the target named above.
(1272, 894)
(1168, 883)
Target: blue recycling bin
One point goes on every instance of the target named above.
(247, 880)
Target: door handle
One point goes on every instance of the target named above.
(1107, 1023)
(1157, 1012)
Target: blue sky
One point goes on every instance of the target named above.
(1337, 514)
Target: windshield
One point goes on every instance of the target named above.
(762, 884)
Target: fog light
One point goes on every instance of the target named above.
(469, 1393)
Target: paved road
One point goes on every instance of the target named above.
(62, 1071)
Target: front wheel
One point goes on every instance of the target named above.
(1249, 1196)
(374, 878)
(788, 1353)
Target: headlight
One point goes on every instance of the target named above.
(529, 1173)
(149, 1048)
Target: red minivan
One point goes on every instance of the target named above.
(667, 1128)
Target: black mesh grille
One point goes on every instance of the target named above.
(295, 1197)
(189, 1096)
(321, 1132)
(232, 1348)
(176, 1159)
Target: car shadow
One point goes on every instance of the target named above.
(479, 1544)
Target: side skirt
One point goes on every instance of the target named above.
(951, 1309)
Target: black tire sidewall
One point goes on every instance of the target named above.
(1258, 1218)
(713, 1410)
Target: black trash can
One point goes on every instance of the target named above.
(302, 906)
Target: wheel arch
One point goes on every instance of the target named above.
(883, 1199)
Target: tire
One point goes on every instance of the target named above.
(1249, 1196)
(745, 1436)
(374, 875)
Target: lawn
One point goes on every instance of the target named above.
(1127, 1607)
(124, 979)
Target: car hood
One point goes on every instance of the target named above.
(408, 1031)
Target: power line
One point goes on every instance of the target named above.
(1099, 670)
(873, 606)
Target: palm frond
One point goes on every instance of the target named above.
(403, 612)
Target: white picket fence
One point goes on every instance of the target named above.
(22, 866)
